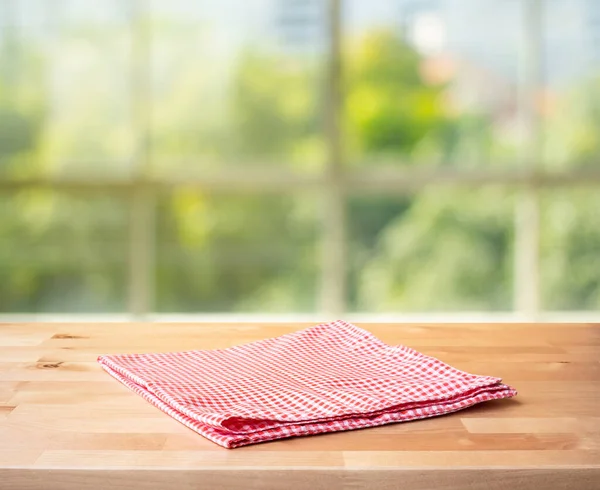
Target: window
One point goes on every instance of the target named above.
(316, 157)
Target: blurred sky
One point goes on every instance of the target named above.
(484, 32)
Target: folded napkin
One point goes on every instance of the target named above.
(326, 378)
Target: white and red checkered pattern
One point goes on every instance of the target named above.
(326, 378)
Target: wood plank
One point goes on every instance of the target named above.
(474, 459)
(189, 459)
(64, 423)
(142, 418)
(531, 425)
(307, 478)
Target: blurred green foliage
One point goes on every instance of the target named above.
(435, 250)
(389, 109)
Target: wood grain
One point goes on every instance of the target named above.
(64, 424)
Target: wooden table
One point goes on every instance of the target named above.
(65, 424)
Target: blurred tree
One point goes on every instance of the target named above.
(450, 251)
(388, 107)
(434, 250)
(570, 248)
(62, 253)
(250, 252)
(236, 252)
(572, 127)
(22, 110)
(274, 107)
(57, 252)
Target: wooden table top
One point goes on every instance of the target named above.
(66, 424)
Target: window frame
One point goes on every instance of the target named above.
(335, 182)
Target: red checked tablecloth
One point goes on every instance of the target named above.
(326, 378)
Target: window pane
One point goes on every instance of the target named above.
(90, 126)
(572, 100)
(438, 250)
(62, 253)
(432, 82)
(570, 262)
(237, 82)
(22, 89)
(65, 99)
(230, 253)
